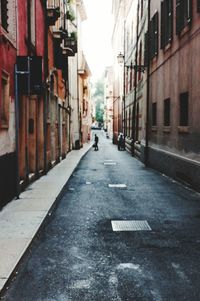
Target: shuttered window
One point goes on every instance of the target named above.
(4, 14)
(183, 14)
(198, 6)
(146, 49)
(154, 36)
(166, 22)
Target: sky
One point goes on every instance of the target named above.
(97, 32)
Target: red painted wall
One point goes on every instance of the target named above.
(22, 27)
(7, 59)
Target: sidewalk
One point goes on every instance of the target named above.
(21, 219)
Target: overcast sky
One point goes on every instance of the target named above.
(97, 32)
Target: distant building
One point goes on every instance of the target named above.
(85, 98)
(108, 101)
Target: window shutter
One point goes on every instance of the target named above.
(198, 6)
(162, 24)
(170, 20)
(4, 14)
(189, 10)
(178, 16)
(146, 49)
(156, 34)
(151, 46)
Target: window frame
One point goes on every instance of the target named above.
(5, 99)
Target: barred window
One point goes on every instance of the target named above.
(167, 112)
(183, 14)
(154, 114)
(4, 14)
(184, 107)
(154, 36)
(166, 22)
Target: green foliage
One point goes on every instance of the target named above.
(98, 97)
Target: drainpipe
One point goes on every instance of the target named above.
(135, 83)
(17, 133)
(45, 94)
(146, 154)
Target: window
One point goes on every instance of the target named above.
(4, 105)
(167, 112)
(166, 22)
(140, 62)
(183, 14)
(184, 109)
(154, 114)
(146, 49)
(141, 9)
(154, 36)
(4, 14)
(198, 6)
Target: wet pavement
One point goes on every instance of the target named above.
(78, 256)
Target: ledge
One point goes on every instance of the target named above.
(183, 129)
(154, 128)
(166, 129)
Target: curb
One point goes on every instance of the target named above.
(37, 233)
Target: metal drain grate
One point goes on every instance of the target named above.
(117, 185)
(130, 226)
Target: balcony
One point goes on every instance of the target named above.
(53, 11)
(69, 45)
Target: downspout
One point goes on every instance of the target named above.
(135, 83)
(45, 94)
(124, 84)
(146, 154)
(17, 133)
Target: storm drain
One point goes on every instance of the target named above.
(117, 185)
(130, 226)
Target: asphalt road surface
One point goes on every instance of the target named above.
(78, 256)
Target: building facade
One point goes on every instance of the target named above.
(30, 58)
(108, 101)
(161, 96)
(8, 52)
(42, 113)
(174, 144)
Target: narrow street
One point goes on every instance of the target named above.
(78, 256)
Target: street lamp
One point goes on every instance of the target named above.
(136, 68)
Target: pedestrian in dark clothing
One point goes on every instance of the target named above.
(121, 144)
(96, 141)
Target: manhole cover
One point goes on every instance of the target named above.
(130, 226)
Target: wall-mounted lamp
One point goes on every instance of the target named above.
(140, 68)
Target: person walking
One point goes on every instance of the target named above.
(96, 141)
(121, 142)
